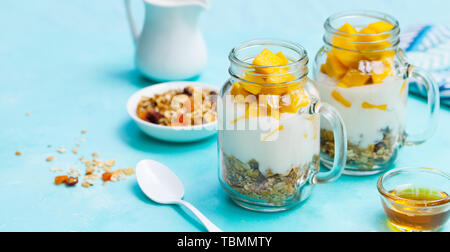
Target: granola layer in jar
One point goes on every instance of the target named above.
(269, 138)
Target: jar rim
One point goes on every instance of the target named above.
(362, 13)
(302, 59)
(392, 35)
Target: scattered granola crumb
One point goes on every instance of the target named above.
(89, 170)
(60, 179)
(95, 169)
(71, 181)
(92, 177)
(110, 163)
(61, 150)
(18, 153)
(87, 184)
(84, 131)
(116, 175)
(128, 171)
(107, 176)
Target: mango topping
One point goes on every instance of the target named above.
(283, 95)
(338, 97)
(333, 67)
(366, 105)
(268, 59)
(284, 60)
(381, 26)
(368, 45)
(354, 78)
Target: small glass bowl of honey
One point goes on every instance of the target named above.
(415, 199)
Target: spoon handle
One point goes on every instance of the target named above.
(207, 223)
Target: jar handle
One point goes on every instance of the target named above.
(340, 144)
(433, 105)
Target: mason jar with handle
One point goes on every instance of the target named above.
(363, 73)
(269, 127)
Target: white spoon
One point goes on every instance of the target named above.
(161, 185)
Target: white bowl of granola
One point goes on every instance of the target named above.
(180, 111)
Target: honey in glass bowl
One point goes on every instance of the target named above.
(415, 199)
(413, 210)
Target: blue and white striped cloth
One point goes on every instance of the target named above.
(428, 46)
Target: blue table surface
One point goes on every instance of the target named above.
(70, 63)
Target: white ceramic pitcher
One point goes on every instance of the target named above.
(170, 46)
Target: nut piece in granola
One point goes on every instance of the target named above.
(49, 159)
(71, 181)
(18, 153)
(187, 107)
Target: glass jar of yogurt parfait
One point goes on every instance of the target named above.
(269, 127)
(363, 74)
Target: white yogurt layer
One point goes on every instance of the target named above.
(274, 148)
(365, 126)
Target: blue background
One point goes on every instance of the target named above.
(70, 63)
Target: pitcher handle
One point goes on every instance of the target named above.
(132, 23)
(433, 105)
(340, 144)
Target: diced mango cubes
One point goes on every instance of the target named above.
(284, 60)
(280, 78)
(348, 28)
(268, 59)
(381, 26)
(251, 76)
(282, 88)
(345, 45)
(379, 78)
(347, 53)
(333, 67)
(354, 78)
